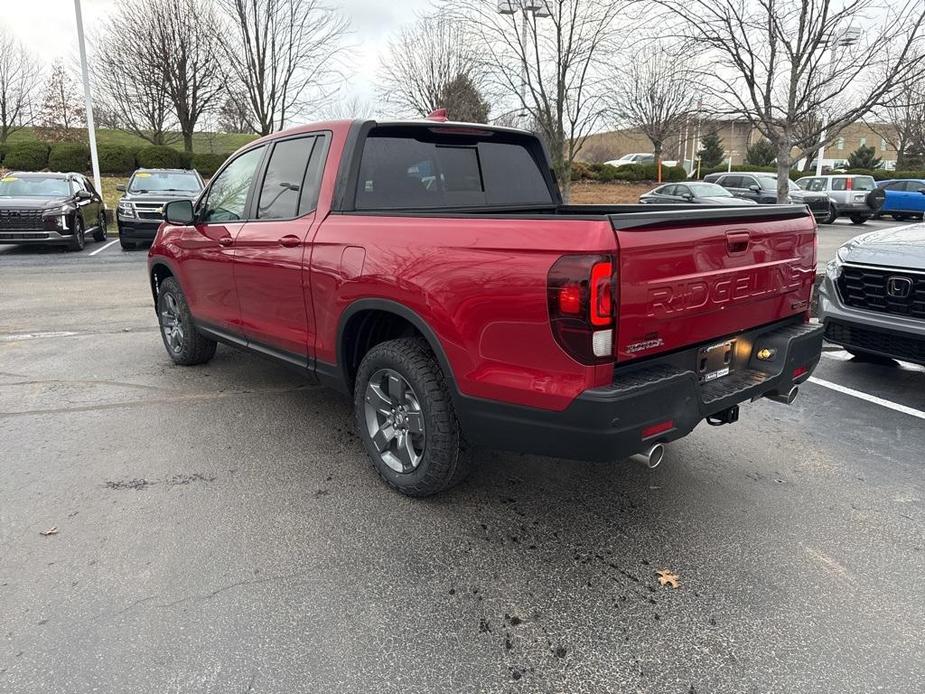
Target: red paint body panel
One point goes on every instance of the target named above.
(479, 284)
(681, 286)
(269, 280)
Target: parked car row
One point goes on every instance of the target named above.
(856, 197)
(56, 208)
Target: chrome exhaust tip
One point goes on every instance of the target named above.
(650, 457)
(785, 398)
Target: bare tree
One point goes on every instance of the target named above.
(549, 57)
(19, 75)
(232, 115)
(62, 109)
(901, 124)
(423, 59)
(130, 70)
(653, 93)
(798, 70)
(186, 43)
(283, 54)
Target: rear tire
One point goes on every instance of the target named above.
(406, 420)
(100, 234)
(78, 239)
(858, 219)
(833, 215)
(185, 345)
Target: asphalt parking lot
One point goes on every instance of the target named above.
(220, 530)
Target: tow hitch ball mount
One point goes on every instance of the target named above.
(728, 416)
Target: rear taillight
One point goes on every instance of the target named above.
(581, 297)
(849, 183)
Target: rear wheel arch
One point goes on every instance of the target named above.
(368, 322)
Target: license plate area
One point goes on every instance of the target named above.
(716, 361)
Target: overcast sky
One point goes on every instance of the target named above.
(48, 28)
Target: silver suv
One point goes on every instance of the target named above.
(847, 195)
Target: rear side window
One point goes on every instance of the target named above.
(290, 185)
(731, 182)
(896, 185)
(409, 173)
(839, 183)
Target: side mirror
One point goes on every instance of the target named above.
(755, 188)
(688, 196)
(179, 212)
(121, 188)
(84, 195)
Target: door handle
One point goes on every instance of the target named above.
(290, 241)
(225, 241)
(737, 242)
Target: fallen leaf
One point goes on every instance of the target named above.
(667, 578)
(51, 531)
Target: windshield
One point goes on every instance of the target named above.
(709, 190)
(164, 181)
(34, 187)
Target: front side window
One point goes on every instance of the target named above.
(815, 185)
(227, 199)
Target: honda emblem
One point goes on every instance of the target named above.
(899, 287)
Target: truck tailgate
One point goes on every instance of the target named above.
(687, 276)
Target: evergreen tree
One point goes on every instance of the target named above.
(711, 151)
(864, 158)
(462, 100)
(762, 153)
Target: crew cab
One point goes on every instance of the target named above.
(430, 270)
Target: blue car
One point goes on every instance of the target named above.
(903, 198)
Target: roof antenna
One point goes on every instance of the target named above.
(439, 115)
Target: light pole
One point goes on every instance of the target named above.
(539, 10)
(850, 37)
(88, 99)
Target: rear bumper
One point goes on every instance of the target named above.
(854, 209)
(607, 423)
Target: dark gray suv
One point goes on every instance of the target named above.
(761, 187)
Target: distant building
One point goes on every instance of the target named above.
(736, 137)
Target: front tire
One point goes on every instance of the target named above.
(833, 215)
(858, 219)
(185, 345)
(406, 420)
(101, 234)
(127, 245)
(78, 238)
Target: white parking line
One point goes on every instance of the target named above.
(103, 248)
(869, 398)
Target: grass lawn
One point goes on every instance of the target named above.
(618, 192)
(220, 143)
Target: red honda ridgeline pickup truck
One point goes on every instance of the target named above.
(431, 270)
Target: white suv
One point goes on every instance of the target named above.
(847, 195)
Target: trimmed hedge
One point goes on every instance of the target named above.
(116, 159)
(160, 157)
(605, 173)
(69, 156)
(27, 156)
(207, 163)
